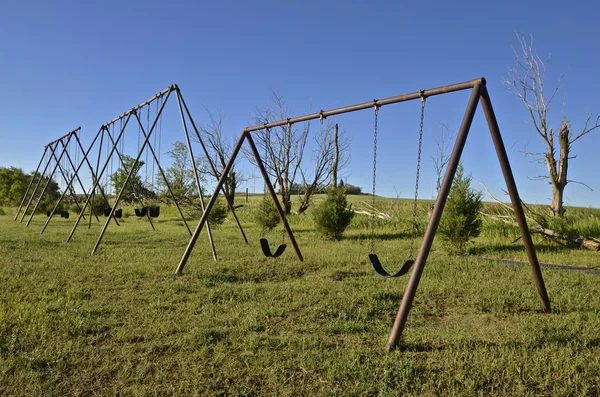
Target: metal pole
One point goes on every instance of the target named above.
(36, 186)
(263, 171)
(85, 158)
(209, 205)
(163, 174)
(68, 182)
(516, 200)
(195, 170)
(368, 105)
(210, 162)
(85, 154)
(45, 186)
(137, 159)
(438, 209)
(94, 175)
(75, 175)
(122, 161)
(64, 136)
(141, 105)
(98, 179)
(31, 182)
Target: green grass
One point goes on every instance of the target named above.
(121, 323)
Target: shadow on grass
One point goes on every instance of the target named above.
(379, 236)
(516, 247)
(544, 340)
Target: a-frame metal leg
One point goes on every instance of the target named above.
(39, 200)
(35, 173)
(209, 205)
(180, 102)
(415, 277)
(479, 93)
(284, 221)
(486, 104)
(136, 161)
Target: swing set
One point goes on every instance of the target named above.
(111, 149)
(264, 243)
(61, 154)
(479, 94)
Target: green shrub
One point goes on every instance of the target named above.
(216, 216)
(461, 220)
(334, 214)
(218, 213)
(98, 204)
(266, 214)
(2, 212)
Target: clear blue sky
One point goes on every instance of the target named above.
(81, 63)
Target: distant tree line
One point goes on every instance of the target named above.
(13, 185)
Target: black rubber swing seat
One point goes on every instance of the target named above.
(118, 213)
(381, 271)
(264, 244)
(107, 211)
(141, 212)
(154, 211)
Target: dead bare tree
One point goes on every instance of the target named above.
(219, 149)
(443, 142)
(336, 157)
(537, 223)
(526, 80)
(281, 148)
(329, 154)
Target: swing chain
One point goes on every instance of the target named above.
(414, 220)
(267, 137)
(376, 107)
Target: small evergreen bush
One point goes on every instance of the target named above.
(266, 214)
(461, 220)
(334, 214)
(218, 213)
(216, 216)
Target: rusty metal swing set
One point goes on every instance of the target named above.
(479, 94)
(59, 152)
(113, 143)
(64, 152)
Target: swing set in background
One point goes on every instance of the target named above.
(479, 94)
(144, 136)
(59, 155)
(109, 144)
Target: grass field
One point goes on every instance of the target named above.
(122, 323)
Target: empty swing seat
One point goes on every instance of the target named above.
(383, 273)
(107, 211)
(48, 213)
(119, 213)
(264, 245)
(154, 211)
(141, 212)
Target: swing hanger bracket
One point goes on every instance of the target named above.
(422, 95)
(376, 106)
(321, 117)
